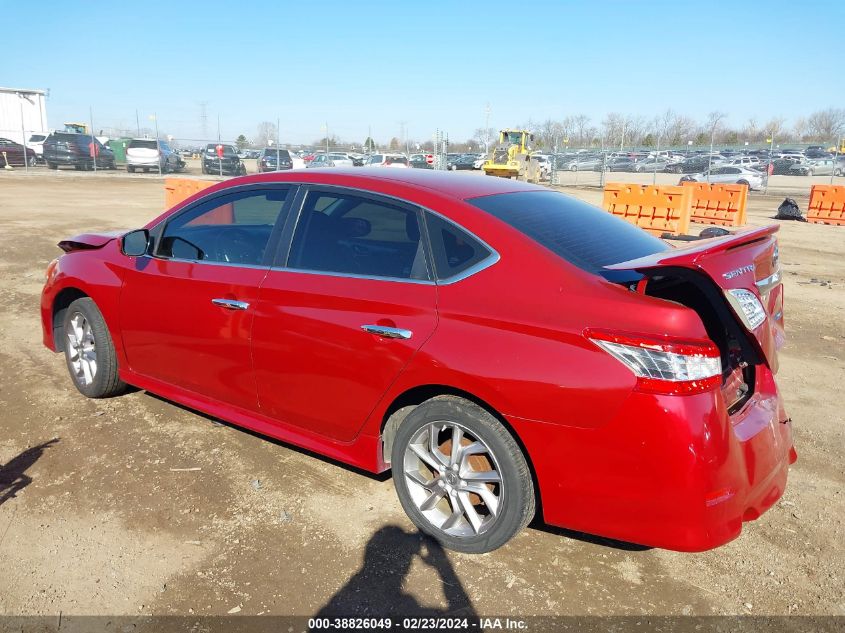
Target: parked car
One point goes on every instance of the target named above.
(81, 151)
(783, 165)
(651, 164)
(479, 161)
(743, 161)
(274, 159)
(817, 167)
(147, 154)
(692, 165)
(332, 159)
(419, 161)
(583, 162)
(728, 174)
(816, 151)
(620, 163)
(461, 163)
(396, 327)
(386, 160)
(36, 144)
(12, 153)
(228, 164)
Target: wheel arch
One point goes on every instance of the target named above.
(403, 404)
(62, 301)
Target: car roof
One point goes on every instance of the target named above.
(446, 183)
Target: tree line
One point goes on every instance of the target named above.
(616, 130)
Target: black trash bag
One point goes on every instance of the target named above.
(713, 231)
(788, 210)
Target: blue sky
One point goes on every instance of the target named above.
(432, 64)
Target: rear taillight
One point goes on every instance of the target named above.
(747, 307)
(664, 365)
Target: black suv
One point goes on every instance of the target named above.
(78, 150)
(229, 164)
(269, 156)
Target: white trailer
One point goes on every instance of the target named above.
(23, 112)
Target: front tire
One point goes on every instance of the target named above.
(472, 498)
(89, 351)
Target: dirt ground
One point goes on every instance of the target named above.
(135, 505)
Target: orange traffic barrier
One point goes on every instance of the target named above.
(658, 210)
(827, 204)
(718, 204)
(177, 189)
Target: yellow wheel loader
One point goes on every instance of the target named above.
(511, 157)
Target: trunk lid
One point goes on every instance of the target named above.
(746, 260)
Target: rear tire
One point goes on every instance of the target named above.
(473, 499)
(130, 169)
(52, 166)
(744, 182)
(89, 351)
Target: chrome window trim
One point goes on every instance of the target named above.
(205, 262)
(488, 261)
(331, 273)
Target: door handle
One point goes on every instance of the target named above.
(230, 304)
(387, 332)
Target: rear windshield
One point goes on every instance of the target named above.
(228, 150)
(283, 154)
(37, 138)
(143, 143)
(580, 233)
(390, 160)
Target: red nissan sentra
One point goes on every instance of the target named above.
(497, 345)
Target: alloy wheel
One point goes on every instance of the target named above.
(453, 479)
(82, 350)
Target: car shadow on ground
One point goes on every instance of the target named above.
(13, 477)
(377, 589)
(536, 523)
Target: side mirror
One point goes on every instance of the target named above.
(135, 243)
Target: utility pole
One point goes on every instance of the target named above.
(94, 151)
(203, 120)
(155, 116)
(137, 123)
(487, 129)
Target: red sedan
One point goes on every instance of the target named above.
(497, 345)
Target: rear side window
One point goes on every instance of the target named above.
(348, 234)
(580, 233)
(455, 251)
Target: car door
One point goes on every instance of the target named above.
(186, 310)
(343, 311)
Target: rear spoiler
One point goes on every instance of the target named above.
(689, 254)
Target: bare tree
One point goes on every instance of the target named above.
(775, 127)
(485, 137)
(266, 132)
(826, 125)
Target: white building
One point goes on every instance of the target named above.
(22, 112)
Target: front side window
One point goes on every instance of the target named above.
(356, 235)
(233, 228)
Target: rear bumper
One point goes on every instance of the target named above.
(671, 472)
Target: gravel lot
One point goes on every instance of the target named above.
(135, 505)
